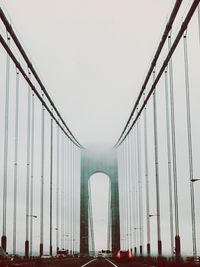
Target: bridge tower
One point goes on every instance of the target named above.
(91, 163)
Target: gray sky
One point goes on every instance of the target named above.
(92, 56)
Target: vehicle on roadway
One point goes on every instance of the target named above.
(3, 254)
(46, 256)
(62, 253)
(124, 256)
(100, 256)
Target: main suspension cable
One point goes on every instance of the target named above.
(34, 73)
(153, 63)
(162, 69)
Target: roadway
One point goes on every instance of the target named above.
(109, 263)
(94, 262)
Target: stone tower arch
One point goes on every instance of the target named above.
(91, 163)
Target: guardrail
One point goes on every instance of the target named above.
(168, 261)
(39, 262)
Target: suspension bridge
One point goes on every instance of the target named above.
(153, 167)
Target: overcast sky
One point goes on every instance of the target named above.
(92, 56)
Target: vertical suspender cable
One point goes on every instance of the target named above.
(169, 164)
(120, 189)
(78, 203)
(66, 155)
(42, 181)
(74, 173)
(65, 194)
(71, 190)
(68, 193)
(51, 192)
(91, 219)
(199, 20)
(130, 192)
(189, 133)
(140, 187)
(136, 228)
(58, 190)
(76, 199)
(70, 199)
(28, 170)
(4, 237)
(123, 222)
(123, 196)
(108, 222)
(157, 171)
(147, 181)
(120, 155)
(109, 218)
(177, 237)
(72, 217)
(62, 192)
(16, 161)
(126, 193)
(32, 172)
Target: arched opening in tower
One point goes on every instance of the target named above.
(99, 213)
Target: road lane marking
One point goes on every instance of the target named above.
(112, 263)
(88, 263)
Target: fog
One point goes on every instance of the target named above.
(93, 57)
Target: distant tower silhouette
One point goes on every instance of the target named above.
(91, 163)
